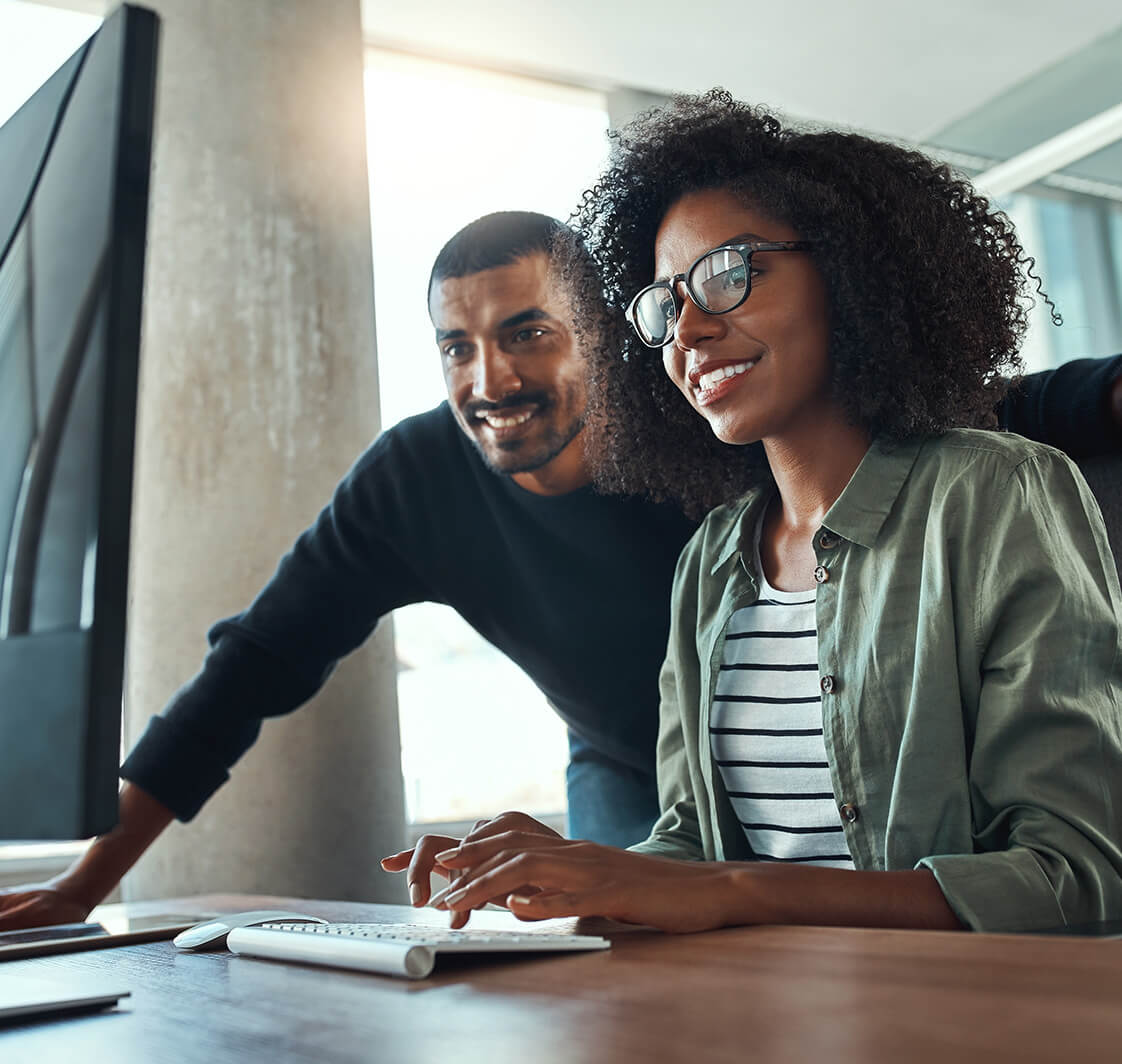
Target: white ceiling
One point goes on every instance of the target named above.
(898, 67)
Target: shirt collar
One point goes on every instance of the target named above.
(860, 511)
(743, 516)
(857, 515)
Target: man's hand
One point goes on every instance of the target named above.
(572, 878)
(422, 860)
(40, 903)
(69, 897)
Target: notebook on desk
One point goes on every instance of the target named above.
(23, 997)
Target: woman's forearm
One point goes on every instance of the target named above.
(573, 878)
(765, 893)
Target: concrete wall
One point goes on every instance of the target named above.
(258, 389)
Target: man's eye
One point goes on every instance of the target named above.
(524, 336)
(456, 352)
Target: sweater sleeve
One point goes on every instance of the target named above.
(1068, 407)
(328, 593)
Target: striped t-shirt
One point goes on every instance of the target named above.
(765, 731)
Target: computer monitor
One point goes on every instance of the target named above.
(74, 164)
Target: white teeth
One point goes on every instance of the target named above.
(712, 379)
(497, 422)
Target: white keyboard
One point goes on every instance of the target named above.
(408, 950)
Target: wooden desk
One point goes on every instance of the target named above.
(768, 994)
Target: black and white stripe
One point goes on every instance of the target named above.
(765, 732)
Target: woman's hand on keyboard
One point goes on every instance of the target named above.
(421, 861)
(538, 877)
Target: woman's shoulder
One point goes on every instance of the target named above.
(970, 474)
(986, 454)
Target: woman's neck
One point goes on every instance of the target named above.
(811, 470)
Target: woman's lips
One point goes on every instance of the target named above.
(714, 384)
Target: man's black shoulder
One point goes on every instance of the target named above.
(431, 442)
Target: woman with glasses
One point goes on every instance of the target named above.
(891, 695)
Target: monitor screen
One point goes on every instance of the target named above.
(74, 164)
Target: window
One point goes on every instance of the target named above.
(1077, 243)
(447, 145)
(34, 42)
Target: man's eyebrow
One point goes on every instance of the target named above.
(523, 316)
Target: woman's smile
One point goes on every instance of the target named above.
(713, 381)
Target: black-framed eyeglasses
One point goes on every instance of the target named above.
(719, 281)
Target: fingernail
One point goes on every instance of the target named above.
(518, 899)
(415, 893)
(445, 855)
(438, 898)
(455, 896)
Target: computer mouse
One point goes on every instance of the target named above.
(211, 934)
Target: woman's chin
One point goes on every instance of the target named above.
(735, 432)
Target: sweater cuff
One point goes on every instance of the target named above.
(1004, 891)
(172, 766)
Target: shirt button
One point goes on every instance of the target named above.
(850, 813)
(827, 684)
(827, 541)
(821, 574)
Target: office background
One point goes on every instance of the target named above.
(283, 128)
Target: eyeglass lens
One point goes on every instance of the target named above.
(717, 283)
(655, 314)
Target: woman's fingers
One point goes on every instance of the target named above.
(513, 871)
(473, 853)
(419, 863)
(489, 855)
(466, 859)
(548, 904)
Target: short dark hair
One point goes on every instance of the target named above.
(496, 240)
(926, 285)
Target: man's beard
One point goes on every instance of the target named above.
(510, 457)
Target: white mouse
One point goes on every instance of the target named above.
(211, 934)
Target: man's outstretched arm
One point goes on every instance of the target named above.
(1076, 407)
(69, 897)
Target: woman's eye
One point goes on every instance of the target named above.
(733, 280)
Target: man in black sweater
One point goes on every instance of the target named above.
(486, 504)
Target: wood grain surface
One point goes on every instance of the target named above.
(747, 994)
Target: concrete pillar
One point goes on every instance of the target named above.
(258, 389)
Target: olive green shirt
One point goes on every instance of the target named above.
(969, 655)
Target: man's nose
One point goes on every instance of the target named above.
(496, 375)
(695, 326)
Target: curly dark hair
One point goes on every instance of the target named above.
(926, 283)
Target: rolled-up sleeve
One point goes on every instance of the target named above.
(1045, 765)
